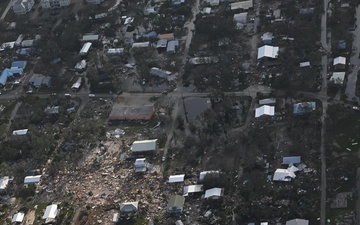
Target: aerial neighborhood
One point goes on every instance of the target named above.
(179, 112)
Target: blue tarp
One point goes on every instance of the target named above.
(19, 64)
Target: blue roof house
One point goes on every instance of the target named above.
(18, 64)
(6, 73)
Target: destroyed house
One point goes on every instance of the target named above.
(127, 208)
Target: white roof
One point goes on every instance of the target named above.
(85, 48)
(18, 217)
(297, 222)
(267, 101)
(241, 17)
(304, 64)
(176, 178)
(267, 36)
(32, 179)
(284, 174)
(90, 37)
(202, 174)
(4, 182)
(77, 84)
(207, 10)
(144, 146)
(140, 162)
(268, 51)
(242, 5)
(192, 189)
(115, 51)
(213, 192)
(339, 60)
(179, 222)
(115, 218)
(50, 212)
(265, 110)
(338, 77)
(20, 132)
(141, 44)
(264, 223)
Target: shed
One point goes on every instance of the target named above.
(159, 73)
(291, 160)
(285, 174)
(115, 218)
(214, 193)
(27, 43)
(140, 165)
(162, 43)
(18, 217)
(18, 64)
(115, 51)
(193, 189)
(265, 110)
(266, 38)
(213, 2)
(144, 146)
(176, 178)
(339, 61)
(304, 64)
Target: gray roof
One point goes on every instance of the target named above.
(291, 160)
(144, 146)
(171, 47)
(162, 43)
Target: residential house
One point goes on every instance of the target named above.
(162, 43)
(159, 73)
(337, 78)
(171, 46)
(140, 165)
(4, 181)
(141, 44)
(176, 178)
(190, 189)
(20, 132)
(265, 110)
(297, 222)
(285, 174)
(128, 208)
(169, 36)
(90, 38)
(339, 63)
(8, 73)
(7, 45)
(76, 86)
(214, 193)
(243, 5)
(145, 146)
(32, 179)
(81, 66)
(241, 18)
(18, 217)
(85, 49)
(267, 38)
(18, 64)
(179, 222)
(304, 64)
(27, 43)
(39, 80)
(176, 204)
(54, 4)
(121, 112)
(50, 213)
(22, 6)
(268, 51)
(304, 107)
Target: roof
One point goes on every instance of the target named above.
(291, 160)
(214, 192)
(268, 51)
(20, 132)
(171, 47)
(176, 201)
(265, 110)
(144, 146)
(285, 174)
(18, 64)
(204, 173)
(242, 5)
(304, 107)
(140, 162)
(267, 36)
(115, 218)
(176, 178)
(128, 207)
(4, 182)
(193, 189)
(90, 37)
(169, 36)
(32, 179)
(50, 212)
(340, 60)
(304, 64)
(6, 73)
(85, 48)
(25, 51)
(241, 17)
(160, 73)
(179, 222)
(18, 217)
(114, 51)
(27, 43)
(338, 77)
(297, 222)
(141, 44)
(267, 101)
(150, 34)
(162, 43)
(81, 65)
(77, 84)
(264, 223)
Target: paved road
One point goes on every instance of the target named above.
(6, 10)
(354, 61)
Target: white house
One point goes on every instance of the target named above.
(32, 179)
(22, 6)
(51, 212)
(285, 174)
(265, 110)
(176, 178)
(144, 146)
(339, 60)
(268, 52)
(18, 217)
